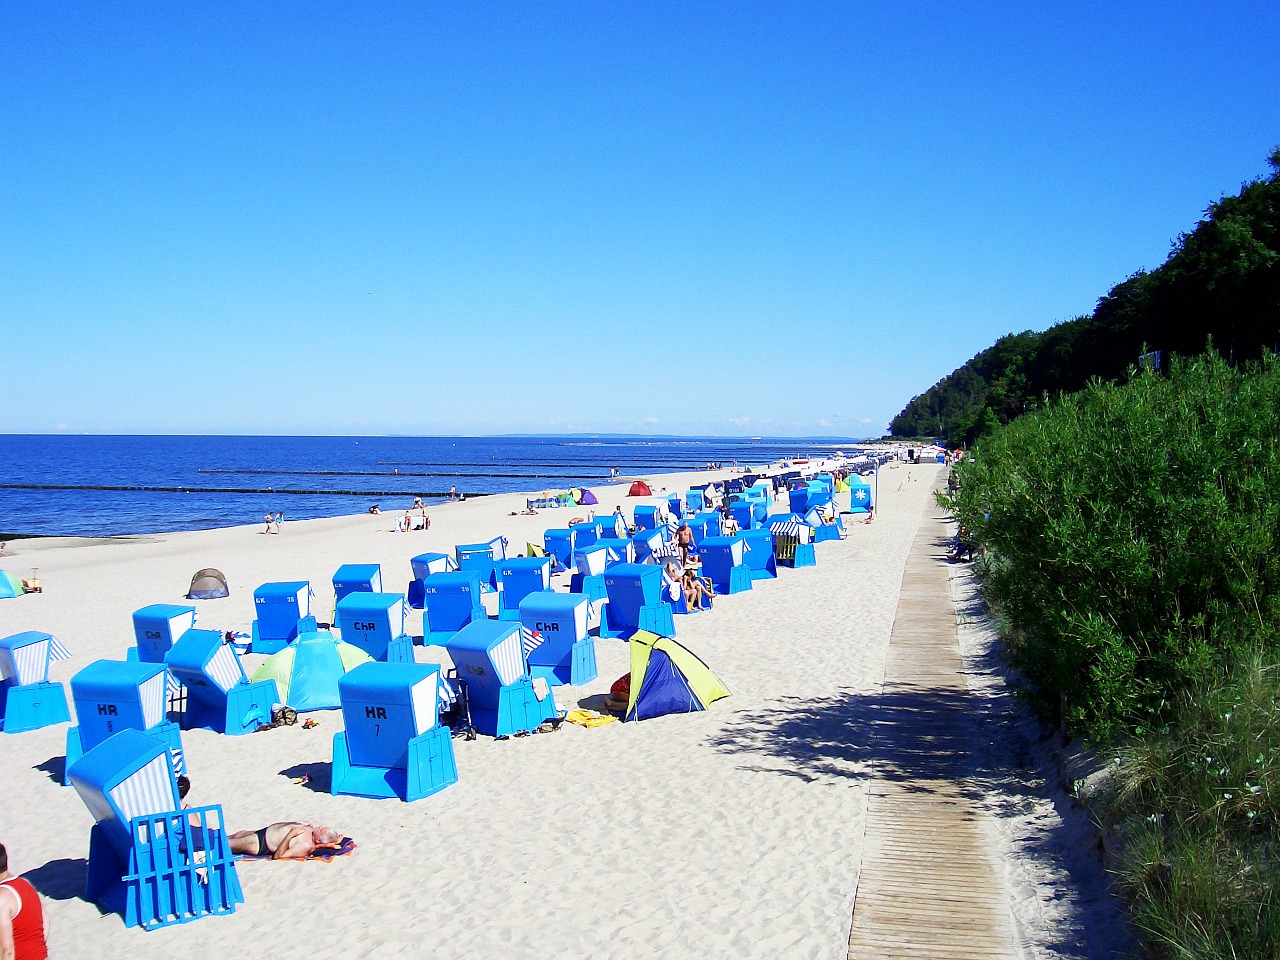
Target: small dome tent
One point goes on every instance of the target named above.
(667, 677)
(208, 584)
(639, 489)
(307, 671)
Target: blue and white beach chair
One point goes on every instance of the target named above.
(394, 744)
(483, 558)
(115, 695)
(156, 628)
(723, 563)
(489, 656)
(423, 566)
(518, 577)
(149, 860)
(283, 610)
(28, 699)
(374, 622)
(565, 653)
(219, 695)
(635, 601)
(451, 602)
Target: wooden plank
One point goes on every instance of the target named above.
(927, 887)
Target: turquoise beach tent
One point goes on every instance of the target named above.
(10, 586)
(307, 671)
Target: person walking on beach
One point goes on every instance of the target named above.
(278, 522)
(24, 926)
(268, 519)
(453, 494)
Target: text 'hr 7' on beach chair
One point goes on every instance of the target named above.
(28, 699)
(219, 696)
(149, 860)
(394, 744)
(115, 695)
(505, 700)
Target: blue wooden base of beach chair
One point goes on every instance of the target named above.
(270, 645)
(805, 556)
(33, 706)
(577, 669)
(248, 706)
(827, 531)
(591, 586)
(767, 571)
(657, 618)
(180, 868)
(739, 581)
(519, 710)
(429, 768)
(167, 732)
(400, 649)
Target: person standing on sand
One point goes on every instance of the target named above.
(24, 926)
(268, 520)
(453, 494)
(278, 522)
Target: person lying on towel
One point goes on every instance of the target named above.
(287, 840)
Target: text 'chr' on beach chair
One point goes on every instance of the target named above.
(489, 656)
(156, 628)
(565, 653)
(28, 699)
(394, 744)
(150, 861)
(374, 622)
(219, 696)
(115, 695)
(282, 611)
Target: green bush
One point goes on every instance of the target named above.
(1130, 535)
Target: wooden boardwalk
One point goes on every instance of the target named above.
(927, 887)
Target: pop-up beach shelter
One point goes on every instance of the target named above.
(10, 586)
(208, 584)
(666, 677)
(308, 670)
(588, 498)
(639, 489)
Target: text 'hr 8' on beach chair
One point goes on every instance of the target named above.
(149, 860)
(219, 696)
(115, 695)
(28, 699)
(505, 700)
(394, 744)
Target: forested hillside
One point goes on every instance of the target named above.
(1220, 286)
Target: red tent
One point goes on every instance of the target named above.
(639, 489)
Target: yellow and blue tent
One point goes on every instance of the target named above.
(667, 677)
(307, 671)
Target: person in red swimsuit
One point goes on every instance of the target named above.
(23, 925)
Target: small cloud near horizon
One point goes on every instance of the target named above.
(739, 421)
(650, 420)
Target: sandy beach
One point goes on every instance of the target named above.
(731, 833)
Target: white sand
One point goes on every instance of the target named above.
(732, 833)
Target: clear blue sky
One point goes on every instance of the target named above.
(775, 219)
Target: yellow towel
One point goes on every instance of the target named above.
(589, 718)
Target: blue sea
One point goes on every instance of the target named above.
(65, 485)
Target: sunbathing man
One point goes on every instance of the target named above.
(287, 840)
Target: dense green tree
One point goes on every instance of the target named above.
(1220, 286)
